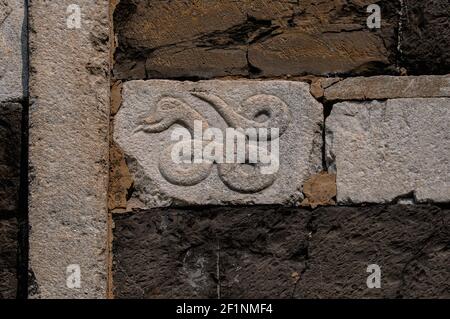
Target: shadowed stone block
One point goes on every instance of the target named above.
(69, 130)
(165, 105)
(270, 252)
(389, 87)
(13, 46)
(8, 258)
(205, 253)
(10, 150)
(385, 150)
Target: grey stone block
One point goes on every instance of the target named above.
(13, 47)
(221, 104)
(385, 150)
(257, 38)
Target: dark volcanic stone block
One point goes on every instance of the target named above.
(8, 258)
(409, 243)
(256, 38)
(10, 137)
(267, 252)
(425, 36)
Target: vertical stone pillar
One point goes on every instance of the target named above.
(69, 120)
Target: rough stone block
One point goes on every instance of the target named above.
(389, 87)
(213, 38)
(13, 44)
(209, 253)
(159, 181)
(424, 35)
(69, 131)
(268, 252)
(408, 242)
(385, 150)
(8, 258)
(10, 150)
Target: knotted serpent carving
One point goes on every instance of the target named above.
(239, 177)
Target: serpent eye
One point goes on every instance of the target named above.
(166, 106)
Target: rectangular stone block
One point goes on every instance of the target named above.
(268, 252)
(409, 244)
(385, 150)
(8, 257)
(424, 36)
(69, 131)
(388, 87)
(10, 151)
(152, 110)
(13, 50)
(256, 38)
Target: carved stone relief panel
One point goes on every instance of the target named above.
(161, 120)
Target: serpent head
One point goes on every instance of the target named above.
(168, 111)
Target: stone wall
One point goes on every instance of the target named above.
(364, 173)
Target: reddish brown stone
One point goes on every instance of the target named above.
(8, 258)
(388, 87)
(320, 190)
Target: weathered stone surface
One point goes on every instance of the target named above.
(385, 150)
(158, 180)
(268, 252)
(8, 258)
(69, 120)
(10, 150)
(13, 46)
(120, 181)
(320, 190)
(213, 38)
(389, 87)
(409, 243)
(208, 253)
(425, 36)
(318, 85)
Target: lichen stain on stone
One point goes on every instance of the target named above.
(320, 190)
